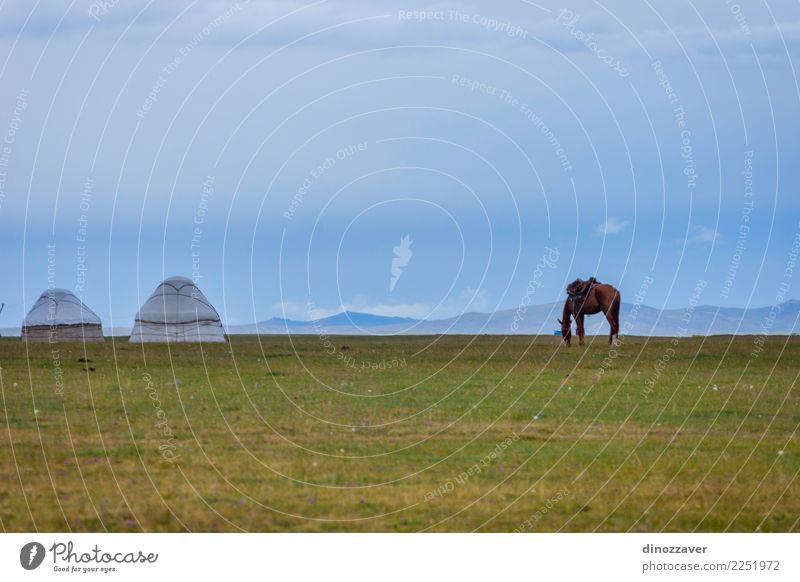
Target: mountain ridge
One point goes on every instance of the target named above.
(643, 320)
(541, 319)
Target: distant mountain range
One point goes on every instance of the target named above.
(541, 319)
(537, 319)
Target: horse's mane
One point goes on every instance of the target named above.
(579, 285)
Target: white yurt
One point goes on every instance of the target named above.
(177, 312)
(60, 316)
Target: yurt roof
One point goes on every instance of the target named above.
(177, 300)
(59, 307)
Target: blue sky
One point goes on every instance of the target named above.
(279, 151)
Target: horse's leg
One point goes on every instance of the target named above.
(566, 322)
(581, 330)
(612, 315)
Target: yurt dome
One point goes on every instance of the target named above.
(178, 312)
(58, 315)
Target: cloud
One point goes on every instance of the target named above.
(700, 234)
(764, 38)
(611, 226)
(300, 311)
(473, 300)
(467, 300)
(415, 310)
(351, 23)
(378, 24)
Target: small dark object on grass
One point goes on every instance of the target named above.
(344, 348)
(89, 369)
(84, 360)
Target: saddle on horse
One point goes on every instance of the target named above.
(578, 291)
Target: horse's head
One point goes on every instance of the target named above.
(566, 330)
(574, 287)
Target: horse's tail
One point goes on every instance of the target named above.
(616, 303)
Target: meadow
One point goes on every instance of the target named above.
(454, 433)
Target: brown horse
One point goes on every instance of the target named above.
(600, 298)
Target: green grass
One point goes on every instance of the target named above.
(278, 435)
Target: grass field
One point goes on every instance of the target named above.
(449, 434)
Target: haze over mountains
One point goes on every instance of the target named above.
(541, 319)
(537, 319)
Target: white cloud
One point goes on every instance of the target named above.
(415, 310)
(467, 300)
(473, 300)
(611, 226)
(299, 311)
(702, 234)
